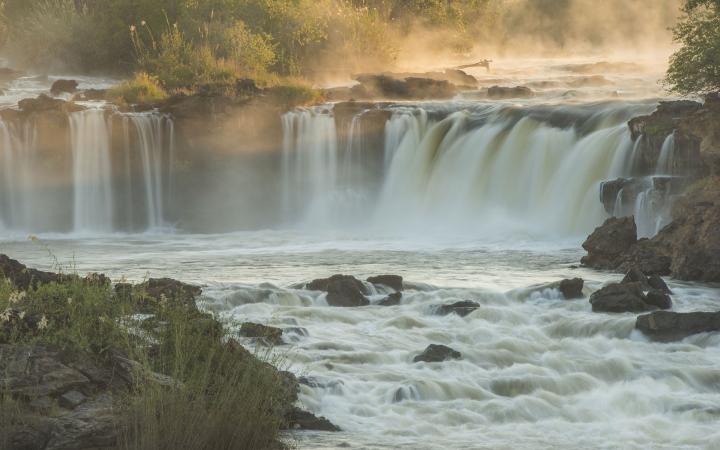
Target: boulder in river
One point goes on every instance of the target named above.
(461, 308)
(342, 290)
(572, 288)
(503, 92)
(624, 297)
(668, 326)
(255, 330)
(64, 86)
(608, 242)
(437, 353)
(391, 281)
(391, 300)
(299, 419)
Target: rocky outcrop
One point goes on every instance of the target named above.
(64, 87)
(665, 326)
(342, 290)
(299, 419)
(503, 92)
(391, 281)
(271, 335)
(461, 308)
(391, 300)
(572, 288)
(609, 242)
(23, 277)
(155, 291)
(44, 103)
(633, 294)
(437, 353)
(372, 87)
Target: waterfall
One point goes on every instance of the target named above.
(667, 153)
(92, 171)
(483, 169)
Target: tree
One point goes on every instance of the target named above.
(695, 67)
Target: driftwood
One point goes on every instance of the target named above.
(484, 63)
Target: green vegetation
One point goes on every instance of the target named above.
(143, 88)
(220, 396)
(695, 67)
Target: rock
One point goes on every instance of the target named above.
(91, 425)
(254, 330)
(23, 277)
(657, 283)
(303, 420)
(658, 299)
(8, 74)
(501, 92)
(461, 308)
(44, 103)
(383, 86)
(620, 297)
(391, 300)
(437, 353)
(166, 289)
(64, 86)
(635, 275)
(391, 281)
(607, 244)
(342, 290)
(571, 289)
(91, 95)
(665, 326)
(71, 399)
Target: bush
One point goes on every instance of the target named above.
(291, 95)
(143, 88)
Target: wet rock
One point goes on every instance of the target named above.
(571, 289)
(158, 290)
(391, 300)
(608, 242)
(23, 277)
(635, 275)
(665, 326)
(44, 103)
(254, 330)
(391, 281)
(71, 399)
(502, 92)
(461, 308)
(437, 353)
(303, 420)
(657, 283)
(64, 86)
(387, 87)
(620, 297)
(342, 290)
(659, 299)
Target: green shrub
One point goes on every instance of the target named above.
(293, 95)
(143, 88)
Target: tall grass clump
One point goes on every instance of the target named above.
(142, 88)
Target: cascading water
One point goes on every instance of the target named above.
(99, 183)
(482, 169)
(92, 171)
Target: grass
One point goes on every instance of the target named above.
(143, 88)
(223, 397)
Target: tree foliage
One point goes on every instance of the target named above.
(695, 67)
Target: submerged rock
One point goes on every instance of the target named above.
(342, 290)
(64, 86)
(391, 281)
(391, 300)
(254, 330)
(572, 289)
(461, 308)
(299, 419)
(437, 353)
(668, 326)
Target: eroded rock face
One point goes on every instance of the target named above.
(342, 290)
(668, 326)
(437, 353)
(609, 242)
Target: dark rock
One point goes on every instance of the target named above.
(391, 300)
(23, 277)
(461, 308)
(71, 399)
(620, 297)
(64, 86)
(607, 244)
(658, 299)
(254, 330)
(635, 275)
(392, 281)
(342, 290)
(387, 87)
(157, 290)
(45, 103)
(657, 283)
(573, 288)
(437, 353)
(668, 326)
(646, 255)
(303, 420)
(501, 92)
